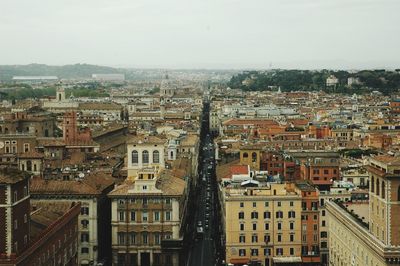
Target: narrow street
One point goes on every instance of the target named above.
(205, 223)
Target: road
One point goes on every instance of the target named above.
(203, 251)
(203, 247)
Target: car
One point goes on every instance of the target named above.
(206, 226)
(206, 223)
(199, 223)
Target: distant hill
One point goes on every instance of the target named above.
(67, 71)
(382, 80)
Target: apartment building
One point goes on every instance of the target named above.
(148, 208)
(368, 234)
(262, 224)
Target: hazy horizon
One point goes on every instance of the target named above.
(208, 34)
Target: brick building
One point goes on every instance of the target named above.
(41, 234)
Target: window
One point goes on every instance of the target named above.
(292, 214)
(85, 210)
(241, 215)
(324, 234)
(279, 226)
(326, 172)
(323, 223)
(254, 215)
(121, 238)
(26, 147)
(383, 190)
(168, 201)
(279, 204)
(254, 157)
(157, 239)
(145, 157)
(323, 213)
(267, 215)
(121, 216)
(135, 157)
(156, 157)
(267, 252)
(291, 237)
(279, 251)
(84, 250)
(377, 187)
(84, 237)
(254, 204)
(266, 204)
(279, 238)
(373, 184)
(241, 205)
(315, 227)
(254, 252)
(242, 252)
(291, 204)
(156, 216)
(85, 223)
(168, 216)
(242, 239)
(241, 227)
(133, 216)
(145, 239)
(266, 227)
(267, 238)
(291, 224)
(145, 216)
(279, 214)
(245, 155)
(254, 227)
(291, 251)
(132, 238)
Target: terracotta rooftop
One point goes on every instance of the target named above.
(93, 184)
(166, 182)
(140, 139)
(239, 122)
(11, 175)
(44, 213)
(239, 170)
(387, 159)
(99, 106)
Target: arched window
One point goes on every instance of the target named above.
(135, 157)
(28, 165)
(377, 187)
(245, 155)
(171, 154)
(145, 156)
(383, 190)
(156, 157)
(373, 184)
(254, 156)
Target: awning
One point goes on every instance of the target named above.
(287, 259)
(239, 261)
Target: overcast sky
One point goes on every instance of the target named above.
(202, 33)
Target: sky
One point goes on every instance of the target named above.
(308, 34)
